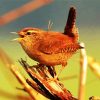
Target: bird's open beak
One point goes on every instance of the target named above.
(16, 39)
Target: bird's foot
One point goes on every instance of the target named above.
(55, 79)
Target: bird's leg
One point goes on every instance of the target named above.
(56, 77)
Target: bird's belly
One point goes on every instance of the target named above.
(49, 59)
(52, 60)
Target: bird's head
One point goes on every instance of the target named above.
(29, 33)
(29, 36)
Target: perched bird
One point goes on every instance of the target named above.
(48, 47)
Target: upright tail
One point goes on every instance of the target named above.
(70, 28)
(71, 19)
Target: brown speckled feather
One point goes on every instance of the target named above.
(53, 44)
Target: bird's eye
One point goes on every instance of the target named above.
(28, 33)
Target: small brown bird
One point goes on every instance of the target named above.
(48, 47)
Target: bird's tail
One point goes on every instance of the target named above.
(71, 18)
(70, 27)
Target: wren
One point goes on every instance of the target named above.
(51, 48)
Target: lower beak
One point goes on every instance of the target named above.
(17, 39)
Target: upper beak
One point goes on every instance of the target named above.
(14, 32)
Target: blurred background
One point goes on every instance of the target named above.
(18, 14)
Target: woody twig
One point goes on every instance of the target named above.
(42, 81)
(83, 73)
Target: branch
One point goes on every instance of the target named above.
(83, 73)
(42, 80)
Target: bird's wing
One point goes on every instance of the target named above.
(57, 44)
